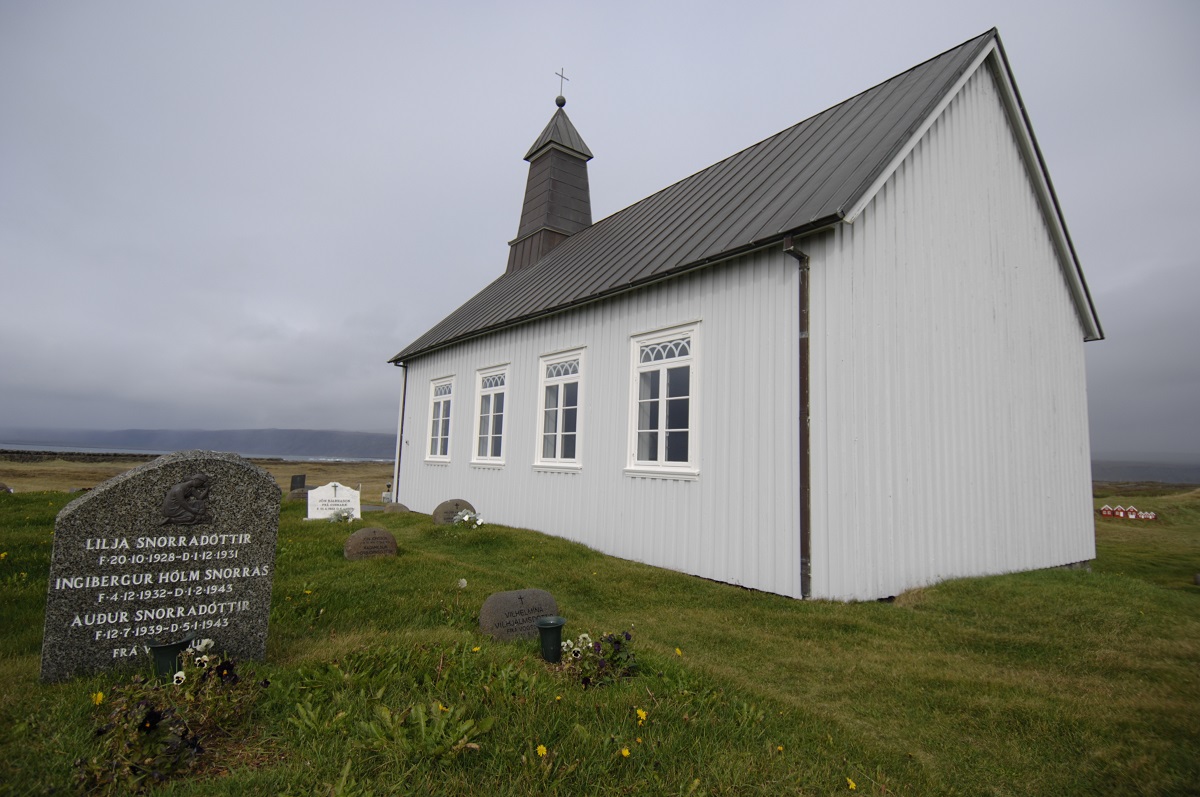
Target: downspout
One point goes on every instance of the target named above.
(789, 247)
(399, 437)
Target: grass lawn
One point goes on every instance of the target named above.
(1053, 682)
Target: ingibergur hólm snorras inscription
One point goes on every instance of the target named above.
(182, 546)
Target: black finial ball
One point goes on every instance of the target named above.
(560, 100)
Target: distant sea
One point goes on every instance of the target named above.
(286, 444)
(1169, 473)
(286, 457)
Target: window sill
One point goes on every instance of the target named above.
(547, 467)
(680, 474)
(487, 465)
(442, 462)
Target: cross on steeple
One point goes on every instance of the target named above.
(561, 78)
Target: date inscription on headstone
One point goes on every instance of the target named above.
(183, 546)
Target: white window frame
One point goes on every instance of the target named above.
(660, 467)
(486, 387)
(441, 399)
(545, 364)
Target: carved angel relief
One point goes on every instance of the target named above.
(186, 504)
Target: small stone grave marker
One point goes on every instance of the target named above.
(513, 614)
(298, 481)
(394, 508)
(180, 546)
(333, 497)
(446, 510)
(369, 543)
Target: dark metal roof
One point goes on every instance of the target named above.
(560, 131)
(801, 179)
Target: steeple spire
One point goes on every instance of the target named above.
(557, 200)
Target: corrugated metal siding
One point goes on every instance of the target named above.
(948, 393)
(738, 523)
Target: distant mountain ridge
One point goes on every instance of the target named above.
(246, 442)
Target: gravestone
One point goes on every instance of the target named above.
(183, 546)
(298, 481)
(513, 614)
(369, 543)
(297, 495)
(333, 497)
(446, 510)
(395, 508)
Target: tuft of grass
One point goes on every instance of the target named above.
(1057, 681)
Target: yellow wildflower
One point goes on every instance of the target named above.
(641, 714)
(3, 556)
(625, 752)
(475, 649)
(541, 751)
(639, 740)
(557, 697)
(98, 698)
(678, 652)
(779, 749)
(851, 784)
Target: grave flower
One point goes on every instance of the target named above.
(179, 678)
(151, 720)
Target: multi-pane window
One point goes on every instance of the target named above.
(560, 378)
(664, 411)
(489, 427)
(439, 412)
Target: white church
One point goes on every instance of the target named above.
(823, 367)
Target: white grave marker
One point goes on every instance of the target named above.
(333, 497)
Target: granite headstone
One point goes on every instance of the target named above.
(178, 547)
(323, 501)
(513, 614)
(446, 510)
(369, 543)
(298, 481)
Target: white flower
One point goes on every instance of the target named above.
(202, 661)
(180, 678)
(202, 645)
(584, 640)
(462, 583)
(567, 645)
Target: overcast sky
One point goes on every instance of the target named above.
(231, 214)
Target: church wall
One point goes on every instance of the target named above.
(737, 522)
(949, 411)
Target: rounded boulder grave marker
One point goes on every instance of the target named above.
(446, 510)
(369, 543)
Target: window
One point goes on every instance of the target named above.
(440, 392)
(558, 442)
(662, 434)
(489, 421)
